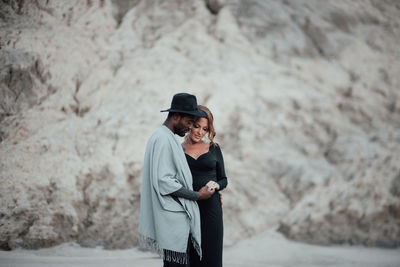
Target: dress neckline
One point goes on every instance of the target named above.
(198, 156)
(205, 153)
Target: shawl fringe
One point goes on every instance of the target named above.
(196, 247)
(167, 255)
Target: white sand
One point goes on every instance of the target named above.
(267, 249)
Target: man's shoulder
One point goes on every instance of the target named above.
(159, 135)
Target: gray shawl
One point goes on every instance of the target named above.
(165, 224)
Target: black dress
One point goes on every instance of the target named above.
(209, 166)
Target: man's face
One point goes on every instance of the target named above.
(183, 125)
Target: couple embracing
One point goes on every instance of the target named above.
(180, 206)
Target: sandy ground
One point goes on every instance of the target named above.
(268, 249)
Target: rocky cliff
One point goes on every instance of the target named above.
(306, 96)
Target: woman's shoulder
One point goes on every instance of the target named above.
(215, 146)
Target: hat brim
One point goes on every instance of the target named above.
(197, 113)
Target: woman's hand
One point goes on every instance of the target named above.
(212, 185)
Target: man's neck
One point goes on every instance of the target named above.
(169, 125)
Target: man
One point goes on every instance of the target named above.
(169, 215)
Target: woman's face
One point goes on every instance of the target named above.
(198, 130)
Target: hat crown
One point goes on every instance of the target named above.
(185, 102)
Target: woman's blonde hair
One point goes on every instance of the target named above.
(211, 130)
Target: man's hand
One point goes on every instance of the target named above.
(206, 192)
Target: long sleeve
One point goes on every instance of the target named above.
(186, 193)
(221, 176)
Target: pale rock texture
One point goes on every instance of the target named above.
(305, 96)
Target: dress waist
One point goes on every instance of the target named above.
(204, 174)
(200, 181)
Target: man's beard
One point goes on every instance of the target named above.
(180, 131)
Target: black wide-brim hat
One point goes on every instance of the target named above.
(185, 103)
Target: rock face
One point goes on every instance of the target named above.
(22, 77)
(305, 95)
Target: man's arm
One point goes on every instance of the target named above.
(186, 193)
(193, 195)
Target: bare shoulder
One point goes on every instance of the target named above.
(206, 145)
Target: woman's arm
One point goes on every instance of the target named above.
(222, 180)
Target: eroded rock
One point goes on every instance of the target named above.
(304, 97)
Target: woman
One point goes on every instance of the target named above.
(207, 166)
